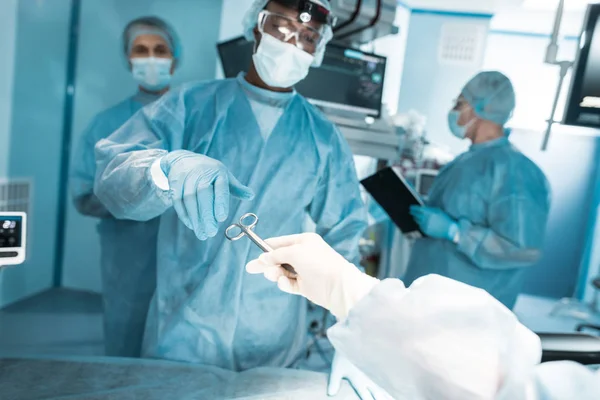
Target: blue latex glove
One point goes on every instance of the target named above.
(201, 188)
(365, 388)
(434, 222)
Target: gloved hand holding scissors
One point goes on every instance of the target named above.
(327, 279)
(338, 287)
(201, 188)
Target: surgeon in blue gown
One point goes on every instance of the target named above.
(487, 210)
(203, 156)
(128, 248)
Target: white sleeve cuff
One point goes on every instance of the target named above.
(158, 176)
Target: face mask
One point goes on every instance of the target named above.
(153, 74)
(279, 64)
(457, 130)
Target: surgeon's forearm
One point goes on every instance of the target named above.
(125, 186)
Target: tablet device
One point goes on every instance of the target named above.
(391, 191)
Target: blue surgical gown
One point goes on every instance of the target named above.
(501, 201)
(206, 308)
(128, 248)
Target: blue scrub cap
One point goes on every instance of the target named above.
(151, 26)
(251, 19)
(492, 96)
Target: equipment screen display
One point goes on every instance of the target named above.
(348, 79)
(10, 231)
(426, 183)
(583, 107)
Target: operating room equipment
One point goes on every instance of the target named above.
(348, 83)
(564, 67)
(246, 225)
(13, 238)
(362, 21)
(583, 101)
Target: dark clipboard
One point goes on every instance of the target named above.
(395, 196)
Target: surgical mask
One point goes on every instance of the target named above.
(279, 64)
(153, 74)
(457, 130)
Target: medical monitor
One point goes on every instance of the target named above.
(424, 181)
(583, 103)
(13, 228)
(349, 80)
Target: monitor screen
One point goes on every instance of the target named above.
(349, 79)
(583, 104)
(425, 183)
(10, 232)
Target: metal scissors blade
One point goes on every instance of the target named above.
(245, 225)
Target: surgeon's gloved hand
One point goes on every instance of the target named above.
(435, 223)
(342, 369)
(323, 276)
(201, 188)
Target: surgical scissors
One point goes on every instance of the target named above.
(245, 225)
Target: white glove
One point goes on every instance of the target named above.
(365, 388)
(324, 276)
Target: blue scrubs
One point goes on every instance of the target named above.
(128, 248)
(501, 201)
(207, 309)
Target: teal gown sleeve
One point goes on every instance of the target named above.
(515, 234)
(123, 180)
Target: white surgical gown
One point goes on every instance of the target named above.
(443, 340)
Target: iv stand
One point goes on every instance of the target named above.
(565, 66)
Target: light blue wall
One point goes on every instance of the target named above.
(36, 133)
(429, 86)
(8, 26)
(103, 80)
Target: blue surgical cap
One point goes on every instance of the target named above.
(151, 26)
(251, 19)
(492, 96)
